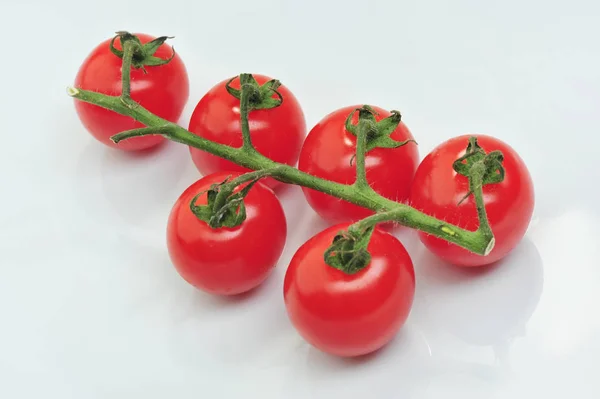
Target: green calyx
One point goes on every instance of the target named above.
(143, 54)
(378, 133)
(224, 208)
(348, 252)
(479, 167)
(260, 96)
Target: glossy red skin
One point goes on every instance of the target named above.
(276, 133)
(164, 90)
(226, 261)
(327, 152)
(437, 189)
(349, 315)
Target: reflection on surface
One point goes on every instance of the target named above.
(136, 184)
(131, 185)
(567, 319)
(239, 332)
(488, 306)
(403, 363)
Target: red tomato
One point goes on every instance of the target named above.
(437, 189)
(163, 91)
(327, 153)
(277, 133)
(349, 314)
(226, 261)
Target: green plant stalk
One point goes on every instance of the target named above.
(129, 48)
(246, 177)
(361, 153)
(480, 241)
(474, 241)
(475, 186)
(230, 186)
(244, 111)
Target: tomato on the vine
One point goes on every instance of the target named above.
(226, 261)
(162, 90)
(276, 133)
(437, 190)
(349, 314)
(329, 150)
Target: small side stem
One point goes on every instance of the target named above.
(410, 217)
(361, 151)
(228, 188)
(476, 187)
(128, 50)
(164, 130)
(375, 219)
(246, 93)
(246, 177)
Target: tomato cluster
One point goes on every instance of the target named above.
(342, 313)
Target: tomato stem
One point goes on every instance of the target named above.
(474, 241)
(246, 92)
(253, 96)
(480, 241)
(348, 252)
(375, 219)
(476, 188)
(379, 134)
(143, 131)
(364, 127)
(129, 47)
(255, 175)
(481, 169)
(224, 207)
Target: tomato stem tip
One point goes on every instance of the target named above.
(71, 91)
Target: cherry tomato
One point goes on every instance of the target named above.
(163, 90)
(226, 261)
(277, 133)
(349, 314)
(328, 153)
(437, 190)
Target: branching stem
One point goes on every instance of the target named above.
(359, 193)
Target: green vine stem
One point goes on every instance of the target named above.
(129, 47)
(256, 175)
(223, 207)
(365, 126)
(480, 241)
(246, 92)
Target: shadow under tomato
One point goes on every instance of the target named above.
(244, 330)
(138, 184)
(222, 301)
(137, 188)
(485, 306)
(405, 361)
(327, 360)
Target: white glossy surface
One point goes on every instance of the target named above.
(91, 307)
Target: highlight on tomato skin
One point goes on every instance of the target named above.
(163, 90)
(349, 315)
(437, 190)
(276, 133)
(226, 261)
(328, 152)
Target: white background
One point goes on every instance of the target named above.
(90, 306)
